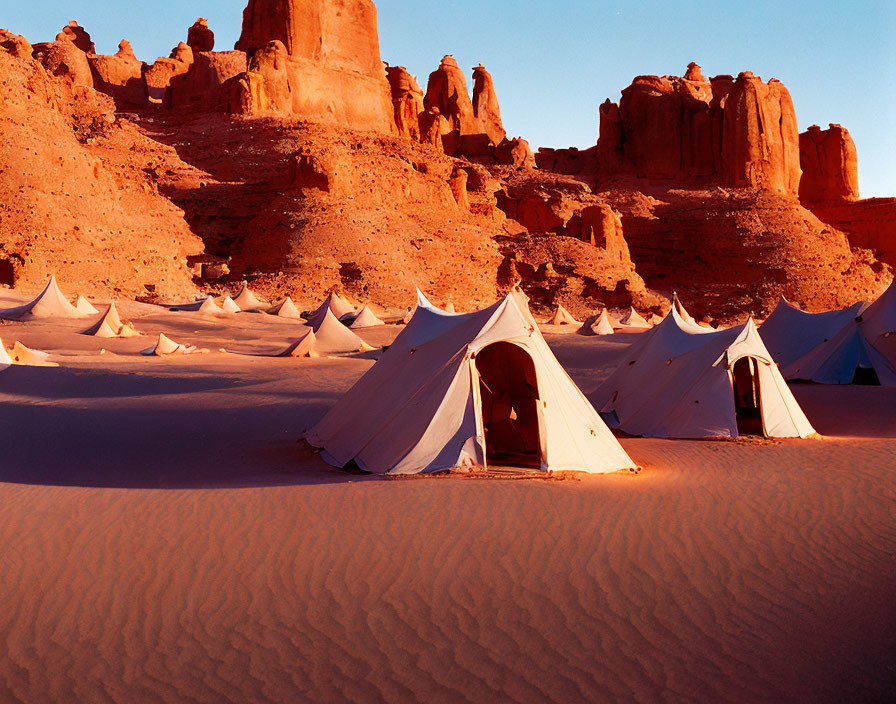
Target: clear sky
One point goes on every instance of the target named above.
(555, 62)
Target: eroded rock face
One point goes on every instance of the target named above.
(119, 76)
(78, 36)
(158, 76)
(334, 65)
(739, 132)
(265, 87)
(447, 91)
(200, 37)
(516, 153)
(201, 88)
(407, 102)
(485, 105)
(63, 57)
(830, 165)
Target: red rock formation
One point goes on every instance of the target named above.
(202, 88)
(458, 184)
(485, 105)
(78, 36)
(516, 153)
(119, 76)
(265, 87)
(447, 91)
(64, 58)
(407, 102)
(158, 76)
(435, 129)
(76, 198)
(200, 37)
(334, 67)
(830, 165)
(869, 223)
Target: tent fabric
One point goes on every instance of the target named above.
(110, 325)
(209, 307)
(366, 319)
(563, 317)
(632, 321)
(85, 306)
(286, 309)
(866, 341)
(229, 306)
(166, 347)
(597, 325)
(332, 337)
(678, 307)
(305, 346)
(247, 301)
(790, 333)
(677, 381)
(30, 358)
(5, 359)
(50, 303)
(336, 304)
(419, 409)
(656, 320)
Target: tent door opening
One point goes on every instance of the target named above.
(747, 398)
(509, 393)
(866, 376)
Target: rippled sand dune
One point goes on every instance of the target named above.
(166, 539)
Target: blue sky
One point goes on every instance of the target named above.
(555, 62)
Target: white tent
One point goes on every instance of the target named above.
(332, 337)
(85, 306)
(50, 303)
(336, 304)
(366, 319)
(449, 308)
(5, 360)
(303, 347)
(286, 309)
(475, 390)
(632, 322)
(209, 307)
(30, 358)
(166, 347)
(563, 317)
(247, 301)
(110, 325)
(229, 306)
(679, 308)
(597, 325)
(789, 333)
(656, 320)
(683, 381)
(864, 342)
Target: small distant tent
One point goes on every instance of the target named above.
(110, 325)
(30, 358)
(563, 317)
(476, 390)
(683, 381)
(248, 301)
(303, 347)
(632, 321)
(679, 308)
(209, 307)
(450, 308)
(336, 305)
(332, 337)
(597, 325)
(656, 320)
(229, 306)
(50, 303)
(85, 306)
(166, 347)
(366, 319)
(286, 309)
(863, 350)
(5, 359)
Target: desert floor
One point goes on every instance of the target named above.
(165, 538)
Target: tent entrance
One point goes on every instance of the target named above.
(747, 397)
(509, 393)
(866, 376)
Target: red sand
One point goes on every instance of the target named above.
(166, 539)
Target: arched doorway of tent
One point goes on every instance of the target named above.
(508, 393)
(747, 396)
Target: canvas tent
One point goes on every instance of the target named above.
(50, 303)
(229, 306)
(110, 325)
(336, 304)
(479, 390)
(303, 347)
(85, 306)
(332, 337)
(247, 301)
(632, 322)
(863, 349)
(5, 360)
(683, 381)
(656, 320)
(679, 308)
(30, 358)
(286, 309)
(563, 317)
(366, 319)
(166, 347)
(597, 325)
